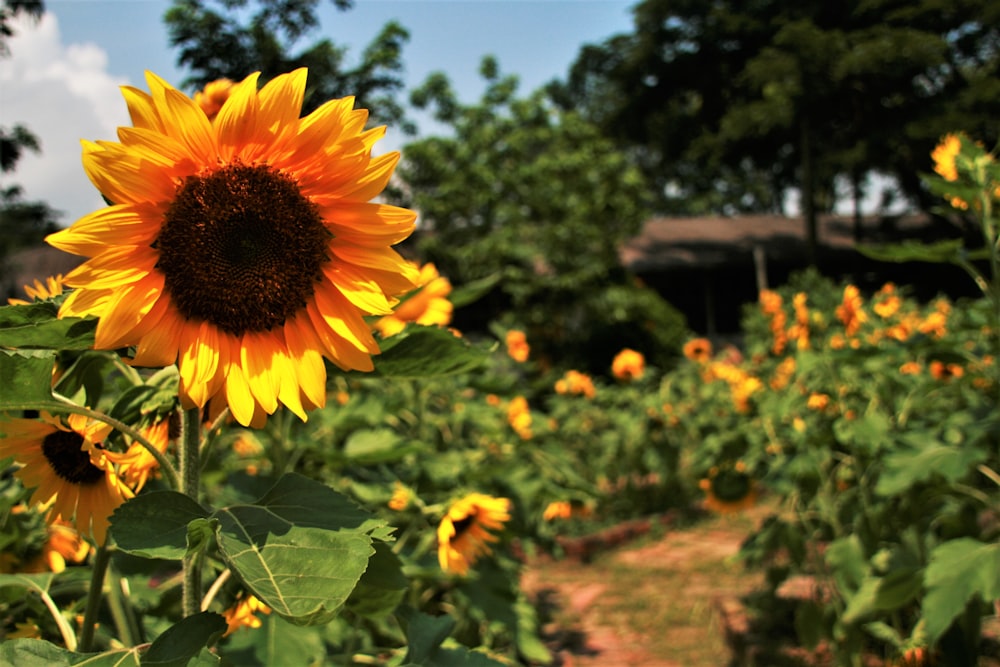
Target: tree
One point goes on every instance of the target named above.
(522, 190)
(22, 223)
(221, 39)
(761, 97)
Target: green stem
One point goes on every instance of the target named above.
(102, 558)
(211, 433)
(190, 464)
(69, 637)
(121, 610)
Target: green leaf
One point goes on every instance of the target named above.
(377, 446)
(474, 290)
(959, 570)
(155, 525)
(809, 623)
(907, 467)
(301, 549)
(39, 653)
(26, 377)
(37, 326)
(914, 251)
(424, 634)
(382, 586)
(183, 641)
(846, 559)
(34, 582)
(275, 642)
(420, 351)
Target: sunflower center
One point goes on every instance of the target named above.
(241, 248)
(463, 525)
(62, 449)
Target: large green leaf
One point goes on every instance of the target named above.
(420, 351)
(907, 467)
(381, 587)
(377, 446)
(914, 251)
(959, 571)
(39, 653)
(25, 378)
(474, 290)
(37, 326)
(301, 549)
(182, 642)
(155, 525)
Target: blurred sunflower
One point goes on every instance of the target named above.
(698, 350)
(137, 464)
(517, 346)
(729, 489)
(243, 248)
(628, 365)
(429, 306)
(463, 534)
(243, 614)
(67, 466)
(63, 544)
(39, 291)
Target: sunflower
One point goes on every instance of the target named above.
(68, 468)
(517, 345)
(63, 544)
(729, 489)
(628, 365)
(243, 614)
(698, 350)
(137, 464)
(39, 291)
(243, 248)
(463, 534)
(429, 306)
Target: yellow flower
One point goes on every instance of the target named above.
(817, 401)
(401, 497)
(464, 532)
(850, 312)
(910, 368)
(428, 306)
(944, 157)
(519, 417)
(628, 365)
(559, 509)
(517, 346)
(66, 465)
(64, 544)
(245, 248)
(39, 291)
(575, 382)
(213, 96)
(243, 614)
(136, 464)
(698, 349)
(942, 371)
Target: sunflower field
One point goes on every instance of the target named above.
(243, 433)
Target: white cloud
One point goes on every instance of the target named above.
(62, 94)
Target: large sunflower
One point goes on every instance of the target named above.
(464, 532)
(68, 468)
(243, 248)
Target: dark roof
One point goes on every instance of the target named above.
(37, 263)
(707, 242)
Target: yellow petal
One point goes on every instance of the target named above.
(281, 99)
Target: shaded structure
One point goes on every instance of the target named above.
(710, 267)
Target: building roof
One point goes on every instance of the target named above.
(707, 242)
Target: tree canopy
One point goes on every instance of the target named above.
(728, 104)
(522, 190)
(229, 39)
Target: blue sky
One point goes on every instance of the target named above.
(62, 77)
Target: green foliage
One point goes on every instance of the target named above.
(227, 39)
(728, 105)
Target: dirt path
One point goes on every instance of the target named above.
(650, 602)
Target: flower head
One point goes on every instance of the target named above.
(628, 365)
(517, 346)
(850, 311)
(53, 286)
(698, 350)
(464, 532)
(68, 469)
(243, 614)
(243, 248)
(576, 383)
(401, 498)
(137, 464)
(729, 489)
(519, 417)
(944, 157)
(213, 96)
(429, 306)
(64, 544)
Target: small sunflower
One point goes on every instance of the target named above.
(729, 489)
(67, 466)
(429, 306)
(137, 464)
(243, 614)
(517, 346)
(463, 534)
(628, 365)
(698, 350)
(63, 545)
(243, 248)
(39, 291)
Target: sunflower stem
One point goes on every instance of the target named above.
(190, 464)
(102, 558)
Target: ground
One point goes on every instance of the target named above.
(654, 601)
